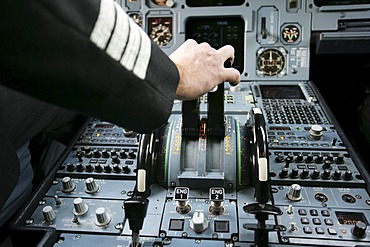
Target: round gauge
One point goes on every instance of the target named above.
(213, 40)
(270, 62)
(197, 37)
(290, 34)
(136, 17)
(161, 35)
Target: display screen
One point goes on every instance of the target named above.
(281, 92)
(350, 218)
(218, 32)
(203, 3)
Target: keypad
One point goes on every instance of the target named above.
(290, 112)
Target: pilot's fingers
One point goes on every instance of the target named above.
(232, 75)
(227, 52)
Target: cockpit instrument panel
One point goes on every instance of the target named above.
(219, 32)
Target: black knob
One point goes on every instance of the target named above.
(339, 159)
(105, 153)
(290, 158)
(122, 154)
(98, 168)
(326, 165)
(309, 158)
(348, 175)
(113, 152)
(107, 168)
(294, 173)
(319, 159)
(116, 168)
(326, 174)
(89, 154)
(89, 168)
(131, 154)
(126, 169)
(299, 158)
(115, 159)
(87, 149)
(284, 173)
(359, 230)
(96, 153)
(305, 173)
(71, 167)
(315, 174)
(337, 175)
(330, 158)
(279, 158)
(80, 167)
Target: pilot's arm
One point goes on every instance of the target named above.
(88, 56)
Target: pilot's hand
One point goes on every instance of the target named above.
(201, 68)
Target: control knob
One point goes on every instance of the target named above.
(315, 174)
(48, 213)
(122, 154)
(98, 168)
(96, 153)
(80, 208)
(68, 185)
(294, 173)
(279, 158)
(91, 186)
(359, 230)
(305, 173)
(326, 165)
(198, 222)
(309, 158)
(299, 158)
(126, 169)
(89, 168)
(294, 193)
(115, 159)
(315, 133)
(116, 168)
(107, 168)
(105, 153)
(102, 217)
(284, 172)
(131, 154)
(319, 159)
(348, 175)
(326, 174)
(339, 159)
(337, 175)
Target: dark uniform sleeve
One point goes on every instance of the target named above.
(87, 56)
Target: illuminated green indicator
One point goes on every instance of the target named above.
(239, 152)
(167, 151)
